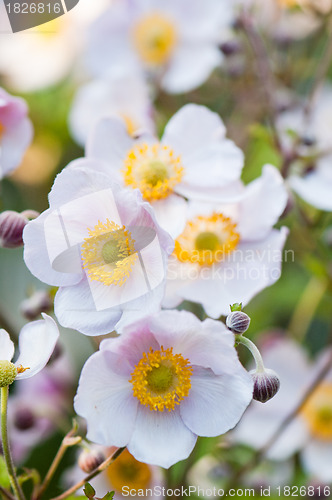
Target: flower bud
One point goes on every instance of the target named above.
(8, 373)
(11, 229)
(89, 460)
(40, 301)
(24, 419)
(266, 385)
(238, 322)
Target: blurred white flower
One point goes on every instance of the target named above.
(16, 131)
(165, 380)
(102, 245)
(229, 252)
(124, 96)
(311, 431)
(193, 160)
(174, 42)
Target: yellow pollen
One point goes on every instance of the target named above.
(127, 471)
(108, 254)
(20, 369)
(154, 169)
(161, 379)
(130, 124)
(154, 38)
(318, 412)
(206, 240)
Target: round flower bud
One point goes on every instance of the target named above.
(238, 322)
(89, 460)
(8, 373)
(266, 385)
(24, 419)
(11, 229)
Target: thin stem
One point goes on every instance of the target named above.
(254, 351)
(6, 494)
(5, 446)
(283, 426)
(93, 474)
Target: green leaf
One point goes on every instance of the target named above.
(108, 496)
(89, 491)
(236, 307)
(4, 478)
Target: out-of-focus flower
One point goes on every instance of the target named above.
(124, 96)
(39, 406)
(230, 252)
(174, 42)
(193, 160)
(311, 431)
(15, 131)
(313, 136)
(36, 344)
(102, 246)
(124, 474)
(165, 380)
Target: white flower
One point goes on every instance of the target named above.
(102, 246)
(15, 131)
(36, 343)
(227, 253)
(124, 96)
(165, 380)
(176, 42)
(193, 159)
(315, 134)
(311, 431)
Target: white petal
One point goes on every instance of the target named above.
(171, 214)
(105, 399)
(315, 189)
(190, 66)
(317, 459)
(160, 438)
(75, 308)
(13, 146)
(215, 404)
(36, 344)
(264, 201)
(6, 346)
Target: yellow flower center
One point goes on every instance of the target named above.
(161, 379)
(108, 253)
(153, 169)
(154, 38)
(206, 240)
(318, 412)
(127, 471)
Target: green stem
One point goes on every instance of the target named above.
(5, 446)
(254, 351)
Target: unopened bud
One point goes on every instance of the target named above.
(11, 227)
(238, 322)
(89, 460)
(24, 419)
(266, 385)
(8, 373)
(40, 301)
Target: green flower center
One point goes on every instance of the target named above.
(111, 252)
(160, 378)
(154, 171)
(8, 373)
(207, 240)
(324, 415)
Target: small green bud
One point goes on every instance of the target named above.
(236, 307)
(8, 373)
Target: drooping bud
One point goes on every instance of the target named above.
(266, 384)
(24, 419)
(89, 460)
(8, 373)
(238, 322)
(11, 227)
(40, 301)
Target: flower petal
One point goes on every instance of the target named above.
(317, 458)
(105, 399)
(6, 346)
(36, 344)
(215, 404)
(315, 189)
(171, 214)
(160, 438)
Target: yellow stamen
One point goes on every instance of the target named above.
(20, 369)
(130, 124)
(206, 240)
(153, 169)
(154, 38)
(318, 412)
(161, 379)
(127, 471)
(108, 253)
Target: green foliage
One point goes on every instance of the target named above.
(89, 491)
